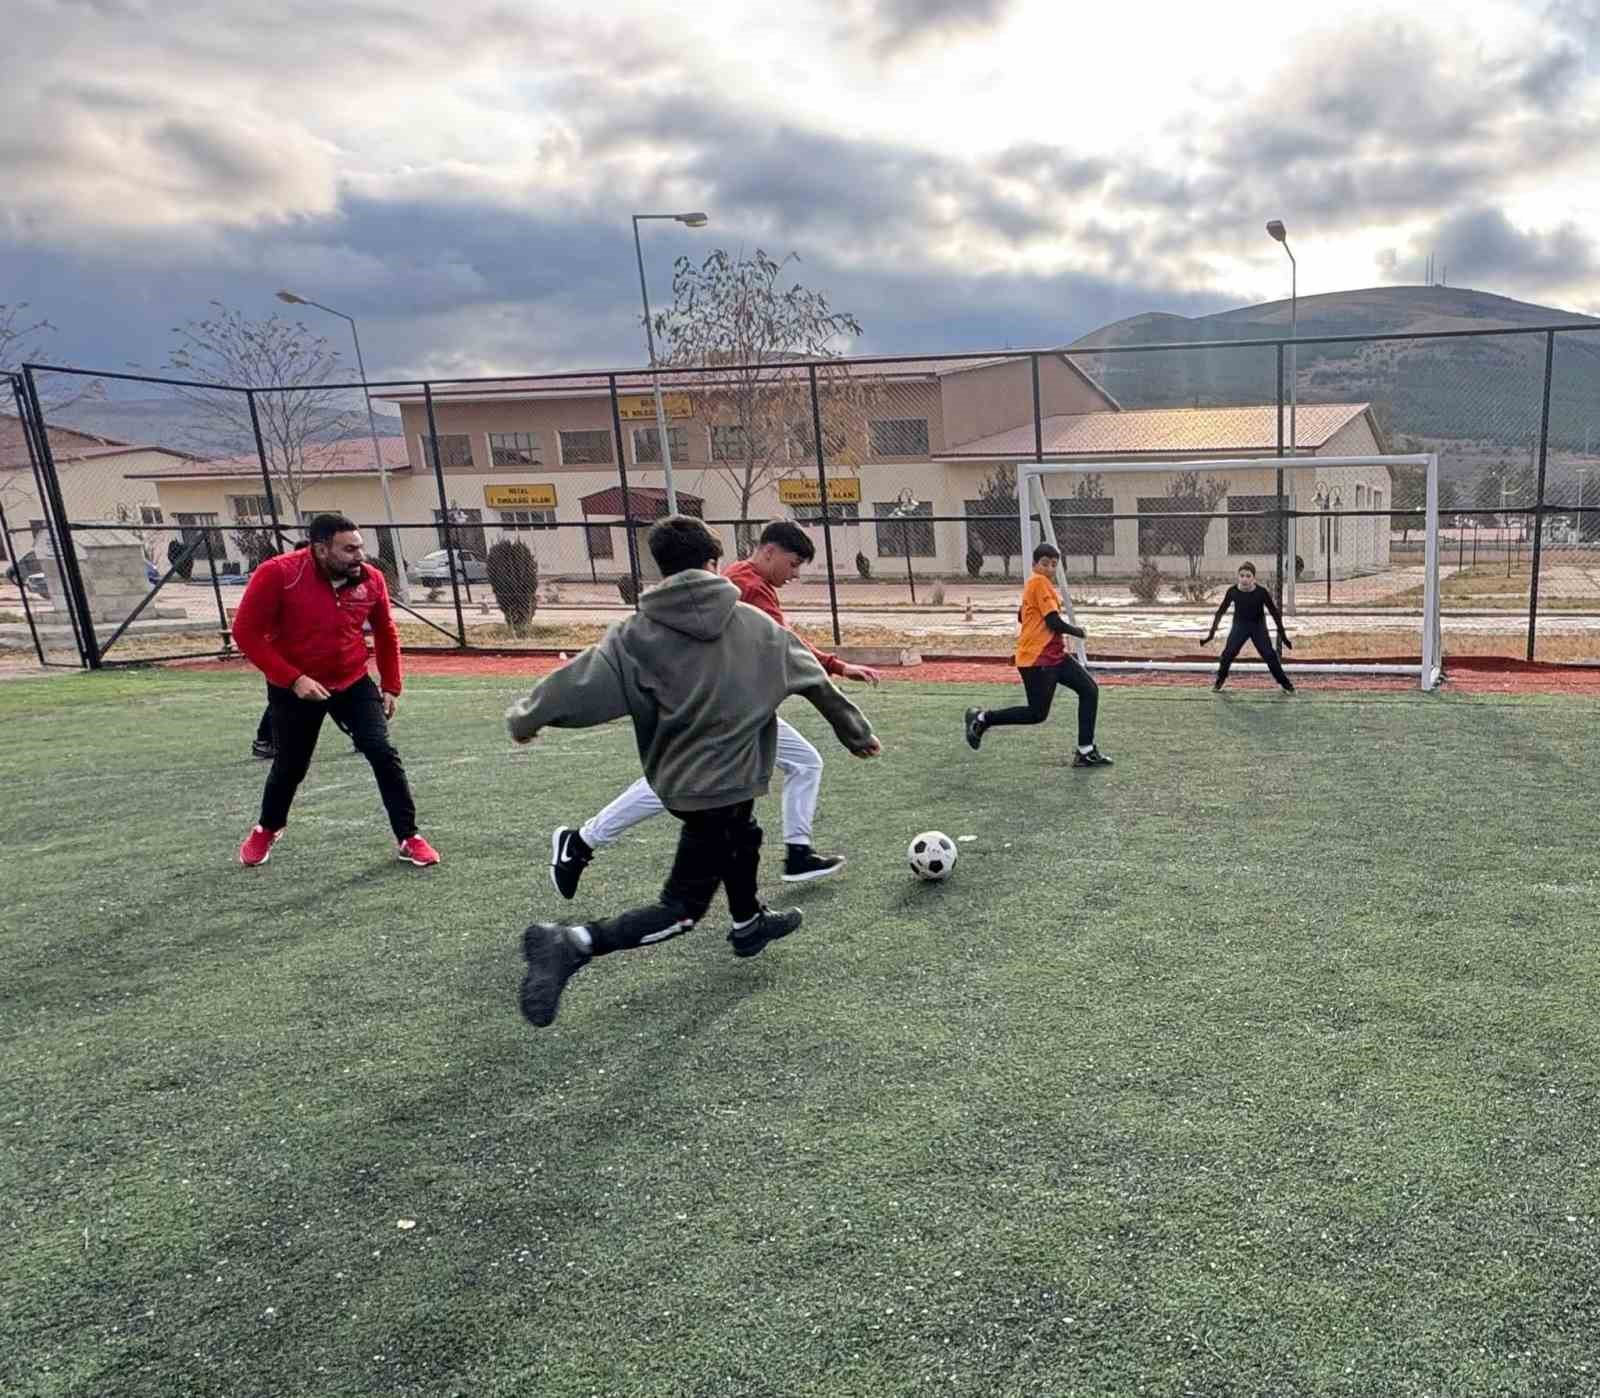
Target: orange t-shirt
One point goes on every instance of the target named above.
(1038, 644)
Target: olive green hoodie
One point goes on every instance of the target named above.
(701, 674)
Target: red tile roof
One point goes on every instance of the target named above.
(352, 457)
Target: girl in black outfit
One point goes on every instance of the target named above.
(1249, 600)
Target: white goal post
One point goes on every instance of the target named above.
(1033, 502)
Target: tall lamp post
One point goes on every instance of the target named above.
(905, 508)
(402, 587)
(1280, 234)
(690, 220)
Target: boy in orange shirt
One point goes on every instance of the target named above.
(1044, 664)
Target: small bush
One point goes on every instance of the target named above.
(176, 547)
(514, 576)
(1147, 585)
(1197, 589)
(629, 589)
(864, 567)
(937, 595)
(974, 562)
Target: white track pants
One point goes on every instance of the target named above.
(800, 763)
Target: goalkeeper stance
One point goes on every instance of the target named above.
(1249, 601)
(1044, 665)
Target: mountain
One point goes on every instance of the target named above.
(1486, 392)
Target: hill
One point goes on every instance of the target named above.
(1486, 391)
(171, 422)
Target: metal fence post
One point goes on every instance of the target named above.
(1538, 504)
(22, 585)
(223, 624)
(66, 552)
(822, 487)
(30, 437)
(627, 500)
(1278, 502)
(450, 552)
(266, 473)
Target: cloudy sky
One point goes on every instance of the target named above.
(960, 174)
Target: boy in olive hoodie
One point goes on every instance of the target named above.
(701, 675)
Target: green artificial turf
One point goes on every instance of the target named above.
(1263, 1062)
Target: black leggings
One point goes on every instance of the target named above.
(1257, 636)
(264, 728)
(1040, 683)
(296, 723)
(719, 848)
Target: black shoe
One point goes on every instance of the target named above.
(1217, 686)
(263, 750)
(769, 926)
(975, 727)
(553, 959)
(1288, 687)
(801, 864)
(1093, 758)
(569, 857)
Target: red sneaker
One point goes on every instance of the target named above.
(417, 851)
(257, 846)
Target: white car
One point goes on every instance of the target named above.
(432, 569)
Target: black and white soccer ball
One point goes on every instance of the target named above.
(932, 855)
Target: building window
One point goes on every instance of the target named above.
(517, 520)
(197, 526)
(730, 443)
(515, 449)
(249, 509)
(599, 540)
(151, 514)
(899, 436)
(1253, 536)
(466, 530)
(647, 445)
(848, 513)
(895, 536)
(1077, 532)
(455, 450)
(995, 533)
(585, 448)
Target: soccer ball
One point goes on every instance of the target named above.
(932, 855)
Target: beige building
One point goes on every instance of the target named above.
(913, 450)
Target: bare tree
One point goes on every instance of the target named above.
(732, 316)
(301, 421)
(1188, 493)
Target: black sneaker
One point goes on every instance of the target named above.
(975, 727)
(1217, 686)
(1288, 687)
(553, 959)
(769, 926)
(1093, 758)
(569, 857)
(263, 750)
(801, 864)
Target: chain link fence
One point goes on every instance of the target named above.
(512, 512)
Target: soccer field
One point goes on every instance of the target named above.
(1264, 1062)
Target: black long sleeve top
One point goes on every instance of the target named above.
(1248, 607)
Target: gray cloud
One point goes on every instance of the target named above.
(1482, 248)
(893, 26)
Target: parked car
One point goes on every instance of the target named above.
(152, 574)
(432, 569)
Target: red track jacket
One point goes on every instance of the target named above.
(291, 622)
(763, 596)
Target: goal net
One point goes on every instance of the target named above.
(1163, 541)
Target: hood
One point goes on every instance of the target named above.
(693, 602)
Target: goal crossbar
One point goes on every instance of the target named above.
(1033, 504)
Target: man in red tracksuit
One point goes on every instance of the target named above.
(300, 623)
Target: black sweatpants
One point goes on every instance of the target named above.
(1040, 682)
(1257, 636)
(264, 728)
(296, 723)
(717, 848)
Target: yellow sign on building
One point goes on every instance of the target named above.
(635, 407)
(520, 497)
(804, 490)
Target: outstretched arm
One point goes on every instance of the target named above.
(807, 678)
(1227, 601)
(1284, 643)
(584, 694)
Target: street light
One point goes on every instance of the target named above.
(690, 220)
(1280, 234)
(402, 587)
(904, 509)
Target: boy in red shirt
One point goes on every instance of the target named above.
(784, 549)
(1043, 662)
(300, 623)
